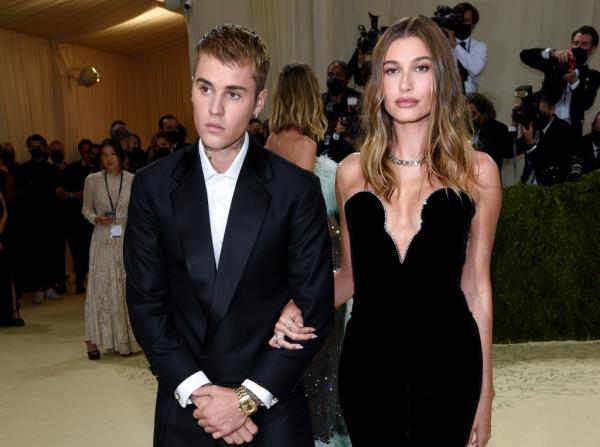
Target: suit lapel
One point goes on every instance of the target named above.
(249, 205)
(190, 208)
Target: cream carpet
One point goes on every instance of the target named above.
(548, 394)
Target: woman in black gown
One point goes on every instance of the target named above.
(418, 210)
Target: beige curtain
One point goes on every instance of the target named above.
(38, 96)
(319, 31)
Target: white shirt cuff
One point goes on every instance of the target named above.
(263, 395)
(546, 53)
(575, 84)
(188, 386)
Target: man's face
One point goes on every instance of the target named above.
(224, 98)
(545, 108)
(336, 71)
(475, 115)
(170, 125)
(256, 128)
(84, 151)
(468, 18)
(56, 147)
(583, 41)
(38, 145)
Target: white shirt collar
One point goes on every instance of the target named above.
(233, 172)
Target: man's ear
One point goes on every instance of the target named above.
(260, 102)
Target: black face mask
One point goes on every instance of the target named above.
(335, 86)
(57, 157)
(162, 152)
(541, 121)
(173, 136)
(95, 162)
(462, 31)
(580, 56)
(596, 136)
(38, 154)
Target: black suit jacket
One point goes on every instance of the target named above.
(190, 316)
(583, 96)
(555, 149)
(586, 152)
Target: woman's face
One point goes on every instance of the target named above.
(109, 158)
(163, 143)
(408, 80)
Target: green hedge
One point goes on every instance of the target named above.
(546, 263)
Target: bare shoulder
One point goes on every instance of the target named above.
(488, 182)
(349, 176)
(306, 143)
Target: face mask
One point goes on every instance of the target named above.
(542, 121)
(596, 136)
(580, 56)
(335, 86)
(462, 31)
(173, 136)
(38, 154)
(162, 152)
(57, 157)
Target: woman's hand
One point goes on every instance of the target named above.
(103, 220)
(482, 426)
(290, 325)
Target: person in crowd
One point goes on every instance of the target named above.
(9, 306)
(115, 125)
(418, 210)
(94, 155)
(470, 54)
(57, 154)
(78, 229)
(490, 136)
(171, 127)
(160, 146)
(341, 105)
(226, 219)
(569, 82)
(257, 130)
(297, 123)
(135, 157)
(105, 201)
(9, 155)
(589, 148)
(36, 221)
(548, 145)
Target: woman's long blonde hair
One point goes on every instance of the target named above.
(297, 102)
(448, 155)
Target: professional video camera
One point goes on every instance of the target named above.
(446, 17)
(365, 44)
(525, 111)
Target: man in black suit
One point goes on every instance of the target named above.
(589, 149)
(568, 80)
(548, 147)
(220, 236)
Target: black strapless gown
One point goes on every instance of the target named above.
(411, 364)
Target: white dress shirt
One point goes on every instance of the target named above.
(562, 108)
(219, 191)
(473, 57)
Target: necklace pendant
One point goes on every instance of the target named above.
(407, 163)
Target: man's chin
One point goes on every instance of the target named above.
(218, 143)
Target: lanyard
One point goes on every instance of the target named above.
(113, 207)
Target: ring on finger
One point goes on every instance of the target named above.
(289, 324)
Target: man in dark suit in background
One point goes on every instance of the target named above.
(220, 236)
(589, 149)
(568, 80)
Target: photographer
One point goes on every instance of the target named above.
(489, 135)
(547, 144)
(567, 77)
(341, 104)
(470, 54)
(588, 152)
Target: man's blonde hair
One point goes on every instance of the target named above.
(235, 44)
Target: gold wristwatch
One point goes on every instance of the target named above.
(248, 405)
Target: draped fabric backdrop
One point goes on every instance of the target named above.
(319, 31)
(37, 95)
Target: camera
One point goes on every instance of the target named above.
(365, 44)
(348, 116)
(367, 40)
(446, 17)
(187, 4)
(525, 111)
(576, 168)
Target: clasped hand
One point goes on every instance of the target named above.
(218, 413)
